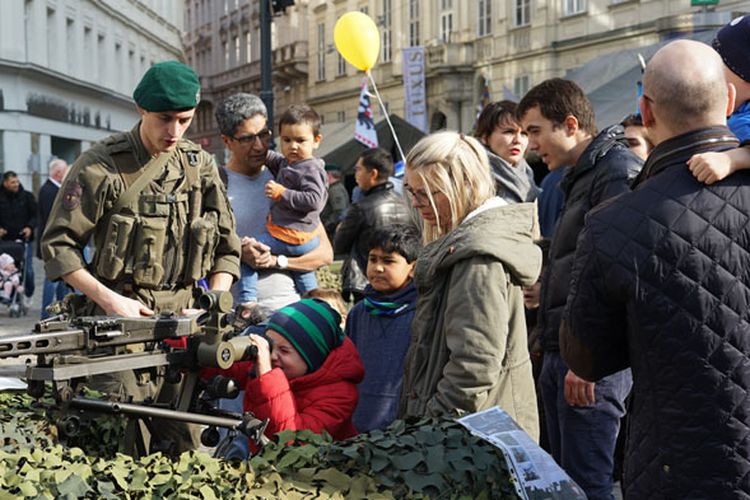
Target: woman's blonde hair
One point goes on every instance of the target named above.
(457, 166)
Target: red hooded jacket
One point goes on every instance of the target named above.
(323, 400)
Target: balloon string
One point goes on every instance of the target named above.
(387, 118)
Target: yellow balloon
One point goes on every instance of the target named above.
(357, 39)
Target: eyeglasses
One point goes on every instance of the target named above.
(420, 196)
(263, 135)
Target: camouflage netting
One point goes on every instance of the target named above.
(419, 459)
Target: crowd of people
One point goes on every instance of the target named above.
(617, 286)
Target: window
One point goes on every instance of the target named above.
(385, 43)
(101, 57)
(248, 47)
(321, 51)
(446, 26)
(365, 10)
(413, 23)
(341, 116)
(522, 14)
(521, 85)
(341, 67)
(71, 49)
(446, 20)
(574, 7)
(88, 49)
(225, 50)
(236, 43)
(484, 21)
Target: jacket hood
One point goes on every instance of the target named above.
(342, 364)
(504, 233)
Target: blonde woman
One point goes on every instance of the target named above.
(468, 349)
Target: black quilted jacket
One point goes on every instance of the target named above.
(380, 207)
(662, 284)
(605, 169)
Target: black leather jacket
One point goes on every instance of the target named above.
(381, 207)
(605, 169)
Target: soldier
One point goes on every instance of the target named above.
(157, 211)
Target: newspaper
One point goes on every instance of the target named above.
(538, 475)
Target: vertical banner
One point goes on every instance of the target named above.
(364, 130)
(415, 95)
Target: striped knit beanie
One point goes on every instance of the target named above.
(312, 327)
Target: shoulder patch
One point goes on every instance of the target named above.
(72, 195)
(192, 157)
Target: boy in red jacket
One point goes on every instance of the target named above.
(308, 380)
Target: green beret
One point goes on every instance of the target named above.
(168, 86)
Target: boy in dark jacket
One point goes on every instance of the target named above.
(380, 324)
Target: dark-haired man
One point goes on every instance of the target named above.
(379, 208)
(583, 418)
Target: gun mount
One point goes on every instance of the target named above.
(71, 349)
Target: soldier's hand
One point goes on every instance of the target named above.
(26, 232)
(578, 392)
(117, 305)
(3, 232)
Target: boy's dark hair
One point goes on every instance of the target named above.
(557, 99)
(9, 175)
(402, 239)
(301, 113)
(632, 121)
(494, 114)
(378, 159)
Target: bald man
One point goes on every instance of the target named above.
(661, 284)
(51, 291)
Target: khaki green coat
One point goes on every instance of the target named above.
(170, 202)
(469, 343)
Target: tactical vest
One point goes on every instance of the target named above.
(161, 240)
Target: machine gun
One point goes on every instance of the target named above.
(69, 349)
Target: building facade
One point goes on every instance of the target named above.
(68, 69)
(222, 43)
(487, 49)
(474, 51)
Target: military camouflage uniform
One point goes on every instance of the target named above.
(179, 229)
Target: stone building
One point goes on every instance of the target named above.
(67, 72)
(222, 43)
(476, 51)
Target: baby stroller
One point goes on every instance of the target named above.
(14, 299)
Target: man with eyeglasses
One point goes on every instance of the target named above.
(243, 123)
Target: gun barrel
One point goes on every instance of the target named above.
(144, 411)
(12, 346)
